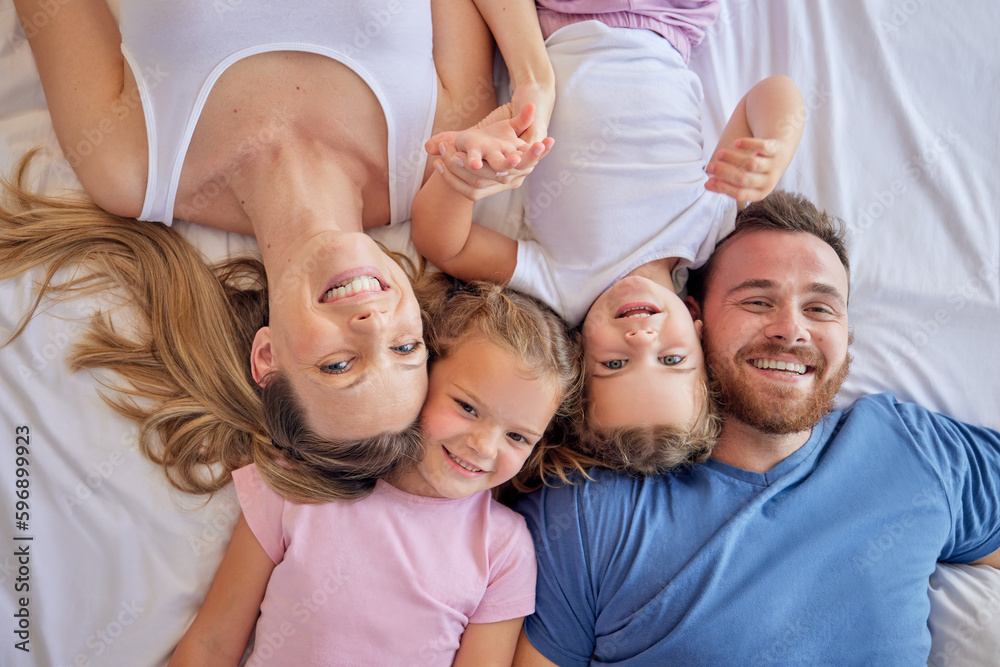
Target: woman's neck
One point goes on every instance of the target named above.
(294, 193)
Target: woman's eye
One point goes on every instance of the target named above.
(614, 364)
(466, 407)
(337, 367)
(671, 360)
(408, 348)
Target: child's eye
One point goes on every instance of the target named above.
(408, 348)
(518, 438)
(614, 364)
(467, 408)
(671, 360)
(337, 367)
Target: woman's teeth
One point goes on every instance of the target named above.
(788, 366)
(462, 463)
(353, 286)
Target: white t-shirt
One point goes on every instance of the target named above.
(624, 183)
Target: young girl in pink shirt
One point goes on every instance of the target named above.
(428, 568)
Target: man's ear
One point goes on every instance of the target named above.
(693, 308)
(261, 355)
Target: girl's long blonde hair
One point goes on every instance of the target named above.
(182, 367)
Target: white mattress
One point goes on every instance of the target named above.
(901, 141)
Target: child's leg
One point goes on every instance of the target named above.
(77, 47)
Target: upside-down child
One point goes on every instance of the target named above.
(615, 215)
(428, 567)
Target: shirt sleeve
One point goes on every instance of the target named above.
(532, 276)
(966, 460)
(563, 625)
(263, 509)
(510, 590)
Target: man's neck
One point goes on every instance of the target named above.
(745, 447)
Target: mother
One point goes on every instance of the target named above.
(301, 124)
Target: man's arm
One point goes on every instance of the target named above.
(759, 141)
(992, 560)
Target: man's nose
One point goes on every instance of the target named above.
(788, 325)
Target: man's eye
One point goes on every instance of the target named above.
(466, 407)
(614, 364)
(337, 367)
(408, 348)
(671, 360)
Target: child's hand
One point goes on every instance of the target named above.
(495, 139)
(483, 182)
(508, 158)
(749, 171)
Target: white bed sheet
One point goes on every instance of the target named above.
(901, 141)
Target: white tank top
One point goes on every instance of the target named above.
(178, 49)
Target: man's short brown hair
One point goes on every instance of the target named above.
(784, 212)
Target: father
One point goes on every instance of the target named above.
(809, 536)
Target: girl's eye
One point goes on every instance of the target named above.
(337, 367)
(671, 360)
(466, 407)
(408, 348)
(518, 438)
(614, 364)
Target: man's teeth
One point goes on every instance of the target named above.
(463, 463)
(353, 286)
(789, 366)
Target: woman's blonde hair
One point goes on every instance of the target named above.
(183, 366)
(456, 311)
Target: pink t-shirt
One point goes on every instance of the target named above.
(391, 579)
(681, 22)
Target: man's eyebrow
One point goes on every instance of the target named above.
(829, 290)
(764, 283)
(754, 283)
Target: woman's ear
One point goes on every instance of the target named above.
(697, 328)
(261, 355)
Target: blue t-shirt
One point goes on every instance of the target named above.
(823, 560)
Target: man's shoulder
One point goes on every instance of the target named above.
(601, 489)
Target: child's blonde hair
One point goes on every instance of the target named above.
(650, 449)
(456, 311)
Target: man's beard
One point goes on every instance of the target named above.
(772, 408)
